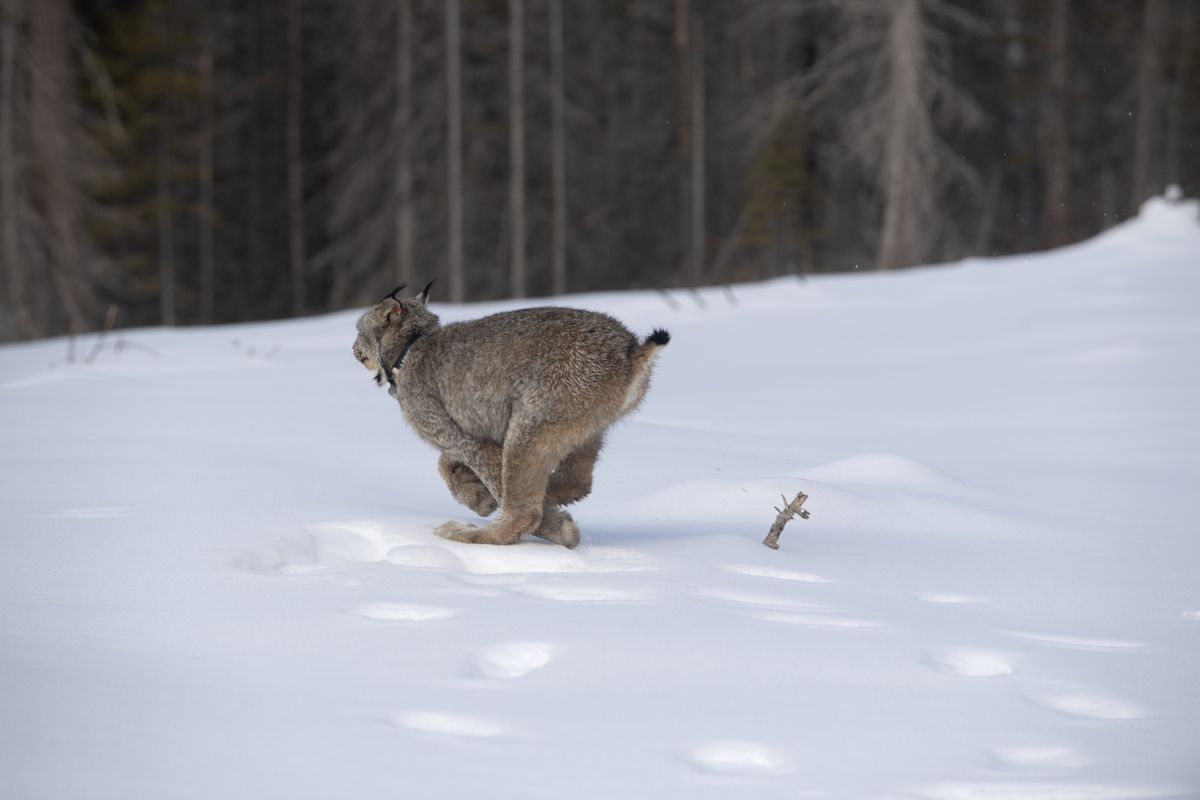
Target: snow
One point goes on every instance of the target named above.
(218, 576)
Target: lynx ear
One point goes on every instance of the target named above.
(423, 297)
(392, 295)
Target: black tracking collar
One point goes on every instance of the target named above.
(400, 358)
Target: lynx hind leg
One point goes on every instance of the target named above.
(571, 480)
(466, 487)
(529, 455)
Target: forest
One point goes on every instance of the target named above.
(183, 162)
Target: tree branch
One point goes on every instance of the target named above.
(786, 514)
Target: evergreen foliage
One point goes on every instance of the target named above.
(198, 162)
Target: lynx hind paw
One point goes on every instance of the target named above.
(459, 532)
(560, 528)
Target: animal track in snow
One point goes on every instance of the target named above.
(884, 470)
(777, 574)
(500, 579)
(831, 621)
(417, 555)
(1090, 706)
(320, 547)
(971, 663)
(737, 758)
(573, 592)
(401, 612)
(536, 557)
(1079, 642)
(1039, 756)
(445, 724)
(99, 512)
(949, 599)
(1004, 790)
(328, 545)
(756, 599)
(513, 659)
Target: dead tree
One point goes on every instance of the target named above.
(454, 154)
(516, 136)
(403, 132)
(1058, 156)
(558, 169)
(295, 167)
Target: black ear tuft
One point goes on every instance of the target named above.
(392, 295)
(423, 297)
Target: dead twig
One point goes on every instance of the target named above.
(110, 319)
(122, 344)
(104, 341)
(671, 302)
(786, 514)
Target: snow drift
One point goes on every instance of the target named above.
(218, 576)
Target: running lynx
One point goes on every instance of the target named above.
(517, 403)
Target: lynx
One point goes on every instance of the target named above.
(518, 404)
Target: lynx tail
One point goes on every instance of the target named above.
(641, 358)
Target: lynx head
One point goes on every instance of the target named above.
(389, 328)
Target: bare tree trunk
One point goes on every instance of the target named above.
(208, 280)
(166, 231)
(454, 178)
(1172, 163)
(683, 48)
(163, 199)
(558, 172)
(1058, 159)
(1020, 137)
(15, 284)
(55, 156)
(698, 227)
(516, 138)
(1145, 181)
(295, 164)
(403, 133)
(906, 175)
(255, 221)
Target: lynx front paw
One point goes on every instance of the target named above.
(500, 532)
(469, 490)
(476, 497)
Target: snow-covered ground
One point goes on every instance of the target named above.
(218, 577)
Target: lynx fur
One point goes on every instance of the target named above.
(517, 403)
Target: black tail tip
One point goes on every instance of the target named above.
(659, 337)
